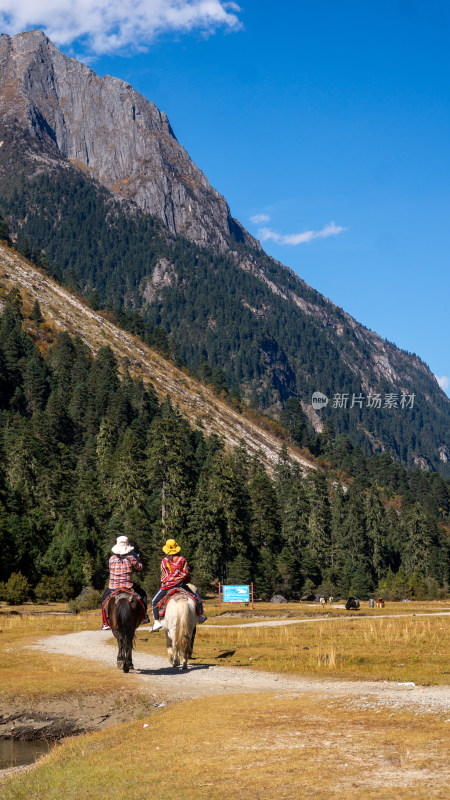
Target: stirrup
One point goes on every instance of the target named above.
(157, 625)
(202, 618)
(105, 627)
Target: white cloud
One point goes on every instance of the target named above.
(108, 26)
(258, 219)
(443, 381)
(332, 229)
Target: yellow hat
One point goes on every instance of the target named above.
(171, 548)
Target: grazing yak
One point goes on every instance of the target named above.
(352, 603)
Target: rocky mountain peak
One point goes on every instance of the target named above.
(105, 127)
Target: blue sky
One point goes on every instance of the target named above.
(325, 117)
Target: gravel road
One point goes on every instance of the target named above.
(201, 680)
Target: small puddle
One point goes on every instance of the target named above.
(15, 753)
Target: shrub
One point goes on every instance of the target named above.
(87, 600)
(52, 588)
(16, 589)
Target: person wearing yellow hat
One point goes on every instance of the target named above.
(174, 572)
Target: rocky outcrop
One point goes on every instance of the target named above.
(105, 127)
(163, 275)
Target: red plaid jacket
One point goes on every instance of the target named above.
(173, 572)
(121, 571)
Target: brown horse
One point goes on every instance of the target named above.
(124, 613)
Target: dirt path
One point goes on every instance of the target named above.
(276, 622)
(201, 680)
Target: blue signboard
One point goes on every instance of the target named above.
(236, 594)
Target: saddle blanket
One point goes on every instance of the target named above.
(162, 605)
(121, 591)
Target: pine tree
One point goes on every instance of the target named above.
(240, 570)
(295, 512)
(294, 420)
(290, 578)
(4, 232)
(376, 532)
(36, 314)
(106, 444)
(418, 545)
(266, 574)
(25, 249)
(265, 525)
(170, 461)
(319, 525)
(129, 482)
(35, 383)
(355, 532)
(208, 528)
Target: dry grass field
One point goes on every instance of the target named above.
(31, 675)
(254, 746)
(375, 646)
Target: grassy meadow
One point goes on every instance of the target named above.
(379, 645)
(266, 745)
(33, 675)
(251, 746)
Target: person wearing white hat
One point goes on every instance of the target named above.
(121, 565)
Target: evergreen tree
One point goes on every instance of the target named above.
(35, 384)
(266, 574)
(129, 482)
(36, 314)
(376, 532)
(240, 571)
(290, 578)
(170, 461)
(4, 232)
(294, 420)
(319, 525)
(265, 525)
(25, 249)
(418, 545)
(338, 537)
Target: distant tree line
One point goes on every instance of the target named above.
(87, 455)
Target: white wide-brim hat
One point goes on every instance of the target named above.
(122, 547)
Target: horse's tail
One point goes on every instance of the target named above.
(182, 632)
(123, 613)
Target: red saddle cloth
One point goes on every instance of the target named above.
(121, 591)
(177, 590)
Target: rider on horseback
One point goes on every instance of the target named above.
(121, 565)
(174, 572)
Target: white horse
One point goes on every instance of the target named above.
(179, 623)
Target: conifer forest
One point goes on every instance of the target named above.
(88, 454)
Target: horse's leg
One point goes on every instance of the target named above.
(121, 653)
(169, 646)
(127, 646)
(189, 641)
(176, 656)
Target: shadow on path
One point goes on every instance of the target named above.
(173, 670)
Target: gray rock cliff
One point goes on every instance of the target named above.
(104, 127)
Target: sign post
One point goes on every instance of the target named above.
(236, 594)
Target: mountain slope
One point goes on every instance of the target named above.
(103, 188)
(198, 403)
